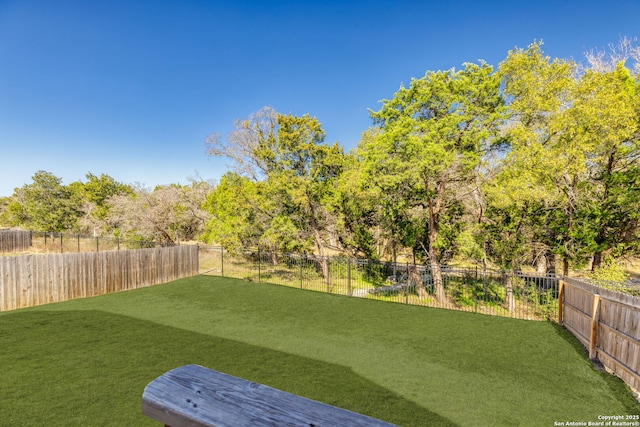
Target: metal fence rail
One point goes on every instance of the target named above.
(47, 242)
(518, 295)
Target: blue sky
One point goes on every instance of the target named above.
(133, 88)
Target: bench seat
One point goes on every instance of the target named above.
(195, 396)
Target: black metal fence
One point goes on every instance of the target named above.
(46, 242)
(518, 295)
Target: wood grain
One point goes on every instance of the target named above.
(195, 396)
(29, 280)
(608, 325)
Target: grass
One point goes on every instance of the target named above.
(465, 290)
(86, 362)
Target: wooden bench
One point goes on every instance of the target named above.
(194, 396)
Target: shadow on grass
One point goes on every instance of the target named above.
(617, 386)
(90, 368)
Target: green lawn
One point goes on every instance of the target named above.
(86, 362)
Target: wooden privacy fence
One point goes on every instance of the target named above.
(607, 323)
(14, 240)
(29, 280)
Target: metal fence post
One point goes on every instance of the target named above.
(328, 278)
(222, 260)
(475, 292)
(406, 289)
(349, 276)
(258, 263)
(300, 271)
(484, 283)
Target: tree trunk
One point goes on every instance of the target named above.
(541, 264)
(324, 262)
(565, 267)
(597, 260)
(546, 263)
(434, 262)
(274, 257)
(436, 274)
(415, 279)
(317, 239)
(511, 302)
(551, 263)
(601, 238)
(166, 235)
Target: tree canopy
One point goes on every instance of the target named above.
(531, 164)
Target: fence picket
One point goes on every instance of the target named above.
(613, 329)
(14, 240)
(27, 280)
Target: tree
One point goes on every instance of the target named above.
(168, 213)
(433, 136)
(296, 171)
(43, 205)
(304, 171)
(573, 150)
(605, 117)
(95, 194)
(541, 166)
(357, 208)
(243, 144)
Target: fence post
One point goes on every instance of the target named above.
(561, 302)
(593, 339)
(78, 242)
(349, 276)
(406, 289)
(258, 263)
(475, 292)
(97, 244)
(327, 260)
(222, 260)
(61, 249)
(300, 271)
(509, 293)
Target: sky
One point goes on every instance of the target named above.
(133, 88)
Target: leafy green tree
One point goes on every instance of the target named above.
(541, 167)
(605, 118)
(573, 151)
(43, 205)
(234, 222)
(4, 202)
(244, 215)
(94, 195)
(294, 172)
(98, 189)
(434, 134)
(304, 172)
(609, 272)
(355, 210)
